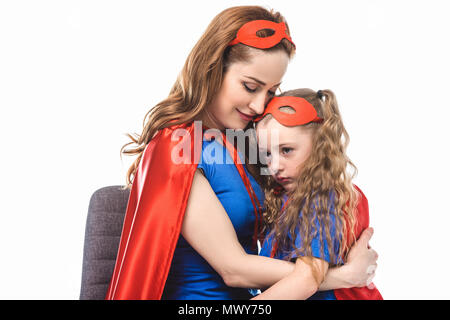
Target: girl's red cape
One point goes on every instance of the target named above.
(363, 293)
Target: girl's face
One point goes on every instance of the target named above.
(246, 89)
(287, 149)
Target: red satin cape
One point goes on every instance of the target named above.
(156, 208)
(153, 219)
(362, 222)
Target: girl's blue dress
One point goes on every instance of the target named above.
(316, 245)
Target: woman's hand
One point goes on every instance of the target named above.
(359, 269)
(361, 261)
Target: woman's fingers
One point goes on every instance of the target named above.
(365, 237)
(371, 269)
(369, 282)
(362, 260)
(373, 254)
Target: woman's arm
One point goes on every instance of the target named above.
(208, 229)
(302, 283)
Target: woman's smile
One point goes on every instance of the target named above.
(245, 116)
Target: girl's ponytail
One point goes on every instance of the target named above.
(332, 115)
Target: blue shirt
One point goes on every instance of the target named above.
(190, 276)
(316, 248)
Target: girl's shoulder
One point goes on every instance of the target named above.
(361, 196)
(362, 211)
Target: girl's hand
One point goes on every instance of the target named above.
(361, 261)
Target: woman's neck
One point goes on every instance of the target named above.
(209, 121)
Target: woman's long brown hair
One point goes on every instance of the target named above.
(202, 75)
(323, 182)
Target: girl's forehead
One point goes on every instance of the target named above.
(270, 130)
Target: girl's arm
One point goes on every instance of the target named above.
(302, 283)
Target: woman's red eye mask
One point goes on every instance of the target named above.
(247, 34)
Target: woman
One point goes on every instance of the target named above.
(224, 83)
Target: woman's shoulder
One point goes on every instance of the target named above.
(214, 152)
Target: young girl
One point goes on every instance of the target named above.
(314, 212)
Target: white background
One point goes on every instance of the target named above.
(75, 76)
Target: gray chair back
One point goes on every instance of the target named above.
(104, 223)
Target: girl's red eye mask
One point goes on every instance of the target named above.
(304, 111)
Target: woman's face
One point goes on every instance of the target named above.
(246, 89)
(287, 149)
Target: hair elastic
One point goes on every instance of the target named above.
(320, 94)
